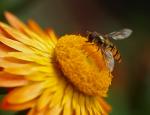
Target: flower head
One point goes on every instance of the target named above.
(51, 76)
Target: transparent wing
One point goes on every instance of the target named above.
(119, 35)
(109, 60)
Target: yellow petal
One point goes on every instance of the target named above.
(15, 22)
(44, 99)
(38, 76)
(24, 69)
(15, 45)
(67, 100)
(23, 38)
(82, 104)
(47, 42)
(59, 93)
(97, 107)
(56, 110)
(41, 53)
(46, 69)
(37, 29)
(75, 103)
(20, 69)
(16, 68)
(29, 57)
(51, 82)
(88, 105)
(24, 94)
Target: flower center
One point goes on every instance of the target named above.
(83, 65)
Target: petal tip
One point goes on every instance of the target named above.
(7, 14)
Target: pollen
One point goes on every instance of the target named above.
(83, 64)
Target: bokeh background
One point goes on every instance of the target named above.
(130, 90)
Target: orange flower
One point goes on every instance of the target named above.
(51, 76)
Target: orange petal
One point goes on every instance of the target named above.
(52, 35)
(105, 106)
(8, 80)
(31, 112)
(4, 49)
(24, 94)
(17, 68)
(35, 27)
(14, 21)
(34, 111)
(16, 107)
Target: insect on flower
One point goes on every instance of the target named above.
(71, 86)
(109, 50)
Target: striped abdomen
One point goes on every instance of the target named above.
(115, 53)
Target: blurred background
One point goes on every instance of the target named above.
(130, 90)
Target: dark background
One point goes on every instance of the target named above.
(130, 90)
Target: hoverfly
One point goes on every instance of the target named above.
(109, 50)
